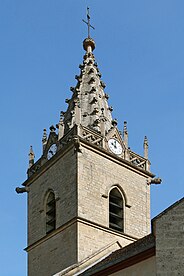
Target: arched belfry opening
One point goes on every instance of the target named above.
(116, 210)
(50, 213)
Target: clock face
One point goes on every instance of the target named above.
(115, 146)
(52, 150)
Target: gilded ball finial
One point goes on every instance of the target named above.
(88, 43)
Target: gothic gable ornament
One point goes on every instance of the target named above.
(114, 142)
(50, 145)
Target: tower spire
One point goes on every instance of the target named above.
(88, 105)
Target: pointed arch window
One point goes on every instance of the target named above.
(50, 213)
(116, 219)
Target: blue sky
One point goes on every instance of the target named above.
(140, 52)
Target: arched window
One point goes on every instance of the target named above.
(50, 213)
(116, 210)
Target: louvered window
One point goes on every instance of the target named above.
(50, 213)
(116, 210)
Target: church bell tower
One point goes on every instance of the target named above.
(88, 194)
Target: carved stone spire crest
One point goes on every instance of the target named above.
(89, 93)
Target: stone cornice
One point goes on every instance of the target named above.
(88, 145)
(83, 221)
(114, 158)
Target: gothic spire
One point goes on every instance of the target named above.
(88, 105)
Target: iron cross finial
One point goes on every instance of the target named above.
(88, 22)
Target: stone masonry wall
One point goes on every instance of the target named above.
(54, 254)
(91, 239)
(81, 182)
(169, 229)
(96, 176)
(60, 250)
(61, 178)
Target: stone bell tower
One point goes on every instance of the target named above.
(88, 194)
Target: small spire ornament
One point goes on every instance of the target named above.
(31, 157)
(44, 138)
(125, 134)
(60, 126)
(146, 146)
